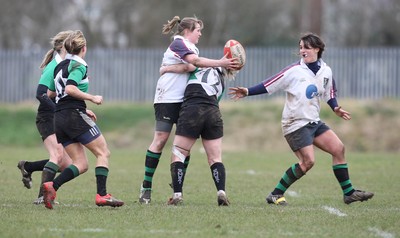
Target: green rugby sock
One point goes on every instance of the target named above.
(151, 164)
(341, 172)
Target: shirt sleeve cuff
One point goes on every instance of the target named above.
(333, 103)
(258, 89)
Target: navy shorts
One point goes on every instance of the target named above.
(74, 125)
(305, 136)
(200, 120)
(45, 124)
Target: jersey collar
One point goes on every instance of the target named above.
(76, 58)
(58, 58)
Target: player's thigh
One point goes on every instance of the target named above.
(99, 147)
(329, 142)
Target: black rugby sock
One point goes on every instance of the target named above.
(219, 176)
(35, 165)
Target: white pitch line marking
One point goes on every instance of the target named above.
(334, 211)
(381, 233)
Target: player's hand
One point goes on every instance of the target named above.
(163, 70)
(91, 114)
(342, 113)
(238, 92)
(97, 99)
(232, 63)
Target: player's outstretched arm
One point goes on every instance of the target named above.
(237, 93)
(197, 61)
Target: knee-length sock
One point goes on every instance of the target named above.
(219, 176)
(185, 166)
(341, 172)
(177, 176)
(150, 167)
(101, 180)
(35, 165)
(48, 174)
(291, 175)
(66, 175)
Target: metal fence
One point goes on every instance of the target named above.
(131, 75)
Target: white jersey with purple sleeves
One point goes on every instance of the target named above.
(171, 86)
(304, 92)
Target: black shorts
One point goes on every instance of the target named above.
(167, 112)
(305, 136)
(74, 125)
(45, 124)
(200, 120)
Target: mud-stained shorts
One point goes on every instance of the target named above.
(200, 120)
(305, 136)
(45, 124)
(74, 125)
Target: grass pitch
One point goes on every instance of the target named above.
(316, 207)
(255, 156)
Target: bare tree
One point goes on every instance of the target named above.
(133, 24)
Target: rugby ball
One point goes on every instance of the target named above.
(233, 49)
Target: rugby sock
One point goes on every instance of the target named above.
(101, 179)
(177, 176)
(218, 174)
(289, 177)
(48, 174)
(341, 172)
(151, 164)
(66, 175)
(185, 164)
(35, 166)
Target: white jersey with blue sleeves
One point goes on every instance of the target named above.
(304, 93)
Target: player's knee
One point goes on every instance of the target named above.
(83, 170)
(307, 165)
(82, 167)
(339, 151)
(102, 151)
(213, 160)
(159, 144)
(105, 153)
(176, 152)
(342, 148)
(56, 156)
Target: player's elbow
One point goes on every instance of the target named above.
(69, 89)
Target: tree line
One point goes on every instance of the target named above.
(124, 24)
